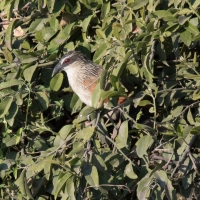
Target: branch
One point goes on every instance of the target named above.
(193, 163)
(123, 187)
(161, 145)
(47, 64)
(182, 158)
(175, 89)
(155, 157)
(166, 165)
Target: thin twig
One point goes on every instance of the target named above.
(121, 152)
(166, 165)
(47, 64)
(162, 150)
(193, 163)
(175, 89)
(152, 51)
(186, 108)
(110, 185)
(161, 145)
(182, 158)
(158, 63)
(155, 157)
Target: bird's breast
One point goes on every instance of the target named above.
(80, 87)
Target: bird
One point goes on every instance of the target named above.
(83, 76)
(82, 73)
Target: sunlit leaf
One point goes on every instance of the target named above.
(122, 137)
(56, 82)
(28, 72)
(60, 183)
(129, 171)
(5, 105)
(9, 33)
(143, 144)
(43, 99)
(91, 175)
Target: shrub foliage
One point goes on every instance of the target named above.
(150, 53)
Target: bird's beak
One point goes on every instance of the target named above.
(57, 69)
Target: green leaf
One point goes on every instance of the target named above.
(186, 37)
(56, 82)
(12, 113)
(28, 72)
(85, 133)
(43, 99)
(162, 13)
(196, 4)
(75, 104)
(192, 29)
(60, 183)
(122, 137)
(100, 52)
(143, 190)
(190, 117)
(70, 188)
(183, 19)
(99, 162)
(5, 105)
(176, 112)
(86, 23)
(195, 130)
(96, 96)
(28, 191)
(77, 8)
(144, 103)
(54, 23)
(118, 71)
(103, 79)
(129, 171)
(9, 34)
(139, 96)
(9, 141)
(91, 174)
(10, 83)
(25, 45)
(8, 55)
(18, 135)
(138, 116)
(143, 144)
(27, 58)
(65, 131)
(50, 5)
(109, 94)
(21, 183)
(139, 4)
(133, 69)
(105, 9)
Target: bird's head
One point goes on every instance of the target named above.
(67, 61)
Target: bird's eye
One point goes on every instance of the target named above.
(67, 60)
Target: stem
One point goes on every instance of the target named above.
(182, 158)
(154, 113)
(47, 64)
(121, 152)
(175, 89)
(193, 9)
(28, 105)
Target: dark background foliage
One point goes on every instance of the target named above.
(150, 53)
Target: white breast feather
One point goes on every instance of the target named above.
(72, 77)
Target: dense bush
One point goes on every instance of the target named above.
(150, 53)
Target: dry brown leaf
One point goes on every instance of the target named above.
(66, 19)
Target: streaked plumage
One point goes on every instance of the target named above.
(82, 74)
